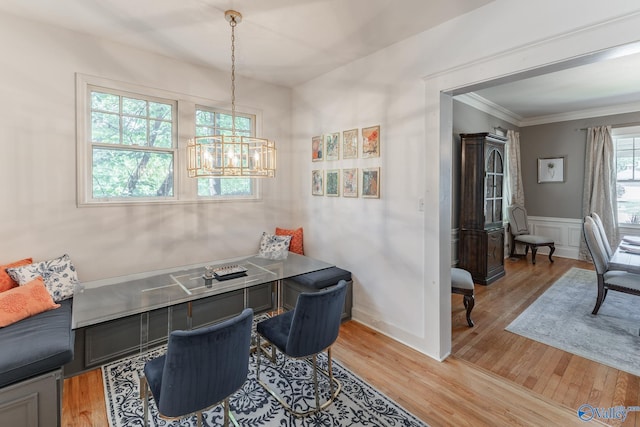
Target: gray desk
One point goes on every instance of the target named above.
(106, 308)
(625, 261)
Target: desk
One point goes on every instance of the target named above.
(625, 261)
(105, 310)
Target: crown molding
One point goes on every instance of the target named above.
(476, 101)
(632, 107)
(480, 103)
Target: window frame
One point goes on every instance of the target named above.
(185, 189)
(623, 133)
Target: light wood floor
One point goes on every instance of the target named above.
(493, 378)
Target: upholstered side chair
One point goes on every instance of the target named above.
(302, 333)
(615, 280)
(519, 233)
(462, 284)
(603, 233)
(200, 369)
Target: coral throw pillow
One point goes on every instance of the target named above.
(6, 282)
(296, 246)
(25, 301)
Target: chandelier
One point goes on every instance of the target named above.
(231, 155)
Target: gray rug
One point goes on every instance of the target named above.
(561, 318)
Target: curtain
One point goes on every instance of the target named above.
(514, 191)
(599, 194)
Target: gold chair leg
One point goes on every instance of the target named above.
(334, 384)
(199, 418)
(144, 394)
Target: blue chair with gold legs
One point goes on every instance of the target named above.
(200, 369)
(302, 333)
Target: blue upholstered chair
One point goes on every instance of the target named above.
(200, 369)
(310, 328)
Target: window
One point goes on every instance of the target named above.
(627, 148)
(133, 146)
(129, 149)
(210, 122)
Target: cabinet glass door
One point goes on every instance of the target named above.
(493, 187)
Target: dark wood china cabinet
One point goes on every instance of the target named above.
(481, 240)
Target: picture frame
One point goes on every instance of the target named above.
(350, 182)
(332, 146)
(350, 144)
(371, 142)
(551, 169)
(332, 183)
(317, 148)
(370, 183)
(317, 182)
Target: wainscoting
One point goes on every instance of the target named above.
(566, 233)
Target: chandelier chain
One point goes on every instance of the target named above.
(233, 24)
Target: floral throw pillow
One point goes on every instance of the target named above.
(274, 247)
(59, 276)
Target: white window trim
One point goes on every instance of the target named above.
(185, 188)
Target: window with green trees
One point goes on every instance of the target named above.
(133, 146)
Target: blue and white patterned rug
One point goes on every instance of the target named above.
(561, 317)
(358, 404)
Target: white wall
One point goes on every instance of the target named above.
(39, 217)
(400, 257)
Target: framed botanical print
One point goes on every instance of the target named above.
(317, 186)
(551, 170)
(350, 182)
(317, 148)
(332, 146)
(332, 178)
(371, 183)
(371, 142)
(350, 144)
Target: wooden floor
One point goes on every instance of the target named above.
(493, 378)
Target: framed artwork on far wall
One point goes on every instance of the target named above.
(371, 142)
(332, 184)
(317, 185)
(350, 144)
(350, 182)
(550, 169)
(317, 148)
(371, 183)
(332, 146)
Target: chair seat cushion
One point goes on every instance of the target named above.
(276, 329)
(533, 239)
(623, 279)
(461, 279)
(322, 278)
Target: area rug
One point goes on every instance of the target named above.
(358, 404)
(561, 317)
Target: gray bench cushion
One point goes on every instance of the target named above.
(36, 345)
(322, 278)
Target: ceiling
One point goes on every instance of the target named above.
(288, 42)
(285, 42)
(610, 86)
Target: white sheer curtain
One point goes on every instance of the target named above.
(514, 191)
(600, 184)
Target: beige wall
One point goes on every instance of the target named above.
(39, 217)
